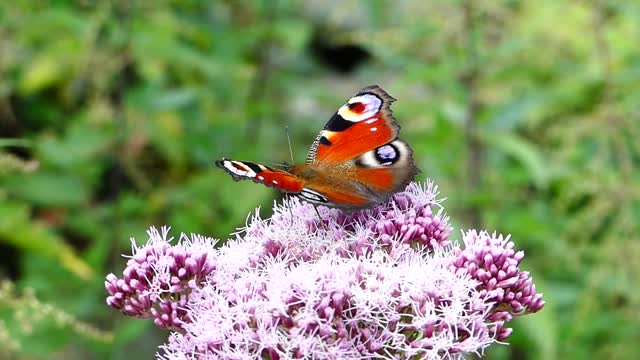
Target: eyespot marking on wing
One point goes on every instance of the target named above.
(360, 107)
(385, 155)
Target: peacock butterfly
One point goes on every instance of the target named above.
(355, 162)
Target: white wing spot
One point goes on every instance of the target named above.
(275, 182)
(313, 196)
(260, 177)
(374, 129)
(371, 121)
(232, 166)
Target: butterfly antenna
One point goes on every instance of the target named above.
(276, 164)
(318, 213)
(286, 130)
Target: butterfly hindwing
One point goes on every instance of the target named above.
(395, 159)
(245, 170)
(367, 180)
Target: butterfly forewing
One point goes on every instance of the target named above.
(363, 123)
(245, 170)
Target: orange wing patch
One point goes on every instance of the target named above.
(340, 199)
(380, 178)
(353, 142)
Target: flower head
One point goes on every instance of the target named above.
(492, 260)
(159, 278)
(379, 283)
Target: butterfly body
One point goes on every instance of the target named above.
(355, 162)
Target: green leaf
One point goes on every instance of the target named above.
(14, 142)
(173, 99)
(541, 329)
(80, 145)
(48, 189)
(293, 33)
(131, 329)
(514, 114)
(524, 152)
(17, 229)
(42, 72)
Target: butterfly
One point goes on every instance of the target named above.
(355, 162)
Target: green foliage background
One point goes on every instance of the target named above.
(526, 113)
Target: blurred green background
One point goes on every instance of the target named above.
(526, 113)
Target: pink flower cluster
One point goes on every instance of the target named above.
(493, 262)
(379, 283)
(160, 277)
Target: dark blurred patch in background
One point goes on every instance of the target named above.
(343, 57)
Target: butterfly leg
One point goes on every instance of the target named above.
(317, 212)
(289, 197)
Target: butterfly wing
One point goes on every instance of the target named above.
(359, 154)
(367, 180)
(244, 170)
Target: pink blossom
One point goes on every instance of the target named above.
(159, 278)
(386, 282)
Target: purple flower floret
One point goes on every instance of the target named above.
(159, 278)
(380, 283)
(414, 215)
(493, 262)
